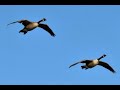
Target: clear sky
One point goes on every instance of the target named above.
(82, 32)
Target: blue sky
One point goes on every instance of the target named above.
(82, 32)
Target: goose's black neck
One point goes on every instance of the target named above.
(42, 20)
(101, 57)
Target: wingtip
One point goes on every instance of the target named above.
(8, 24)
(53, 35)
(114, 72)
(69, 66)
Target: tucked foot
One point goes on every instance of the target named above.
(23, 32)
(83, 67)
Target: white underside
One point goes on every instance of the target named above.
(93, 63)
(32, 26)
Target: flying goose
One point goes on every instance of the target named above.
(93, 63)
(28, 26)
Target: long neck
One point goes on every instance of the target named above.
(42, 20)
(101, 57)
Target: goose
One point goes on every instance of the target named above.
(93, 63)
(28, 26)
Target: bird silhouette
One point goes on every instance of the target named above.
(28, 26)
(93, 63)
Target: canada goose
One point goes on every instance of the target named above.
(28, 26)
(93, 63)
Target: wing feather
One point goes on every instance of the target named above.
(46, 27)
(84, 61)
(107, 66)
(24, 22)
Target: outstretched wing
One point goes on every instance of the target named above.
(107, 66)
(46, 27)
(74, 64)
(84, 61)
(24, 22)
(12, 23)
